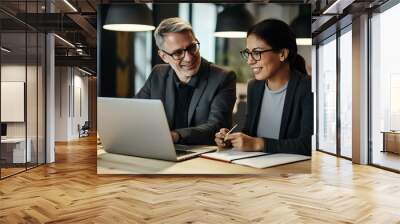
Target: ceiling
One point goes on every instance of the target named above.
(77, 26)
(76, 22)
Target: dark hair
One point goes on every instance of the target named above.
(278, 35)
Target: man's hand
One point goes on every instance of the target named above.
(175, 136)
(244, 142)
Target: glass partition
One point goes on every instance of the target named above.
(385, 89)
(14, 153)
(327, 96)
(346, 93)
(22, 100)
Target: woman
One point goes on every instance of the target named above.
(279, 100)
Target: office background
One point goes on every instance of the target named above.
(35, 55)
(357, 79)
(338, 189)
(48, 90)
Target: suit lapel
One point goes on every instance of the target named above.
(287, 107)
(198, 91)
(259, 88)
(169, 103)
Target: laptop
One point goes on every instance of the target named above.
(139, 127)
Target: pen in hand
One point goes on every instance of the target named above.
(218, 149)
(226, 135)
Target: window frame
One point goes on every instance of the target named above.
(335, 36)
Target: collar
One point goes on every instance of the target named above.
(280, 90)
(192, 82)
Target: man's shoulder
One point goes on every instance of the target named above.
(161, 68)
(159, 71)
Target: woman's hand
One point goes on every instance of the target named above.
(219, 138)
(244, 142)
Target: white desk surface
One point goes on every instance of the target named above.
(108, 163)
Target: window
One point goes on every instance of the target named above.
(327, 96)
(346, 93)
(204, 28)
(385, 86)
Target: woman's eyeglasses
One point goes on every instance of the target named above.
(255, 54)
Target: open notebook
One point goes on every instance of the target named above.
(255, 159)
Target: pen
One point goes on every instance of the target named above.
(228, 134)
(230, 131)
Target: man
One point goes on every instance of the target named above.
(198, 96)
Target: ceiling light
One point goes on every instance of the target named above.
(5, 50)
(79, 44)
(84, 71)
(65, 41)
(79, 51)
(304, 41)
(70, 5)
(301, 25)
(233, 22)
(128, 27)
(129, 18)
(232, 34)
(338, 6)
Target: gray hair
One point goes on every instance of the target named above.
(171, 25)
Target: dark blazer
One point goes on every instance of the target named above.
(297, 119)
(211, 104)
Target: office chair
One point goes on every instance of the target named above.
(84, 130)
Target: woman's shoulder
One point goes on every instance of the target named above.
(255, 89)
(303, 85)
(254, 82)
(304, 80)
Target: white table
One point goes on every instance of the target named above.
(19, 154)
(109, 163)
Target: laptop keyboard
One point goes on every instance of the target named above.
(182, 152)
(181, 147)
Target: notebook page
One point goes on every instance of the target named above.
(231, 154)
(271, 160)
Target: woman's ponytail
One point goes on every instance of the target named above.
(299, 64)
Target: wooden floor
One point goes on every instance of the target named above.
(70, 191)
(10, 171)
(387, 159)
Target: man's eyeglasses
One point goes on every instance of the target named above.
(255, 54)
(180, 53)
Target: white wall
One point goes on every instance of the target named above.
(71, 102)
(79, 117)
(62, 81)
(16, 72)
(33, 126)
